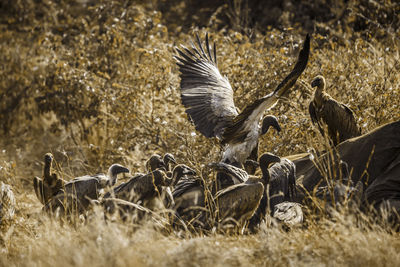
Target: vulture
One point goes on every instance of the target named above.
(47, 187)
(237, 203)
(76, 195)
(140, 187)
(208, 100)
(189, 195)
(164, 163)
(156, 162)
(341, 190)
(240, 195)
(338, 117)
(251, 163)
(7, 203)
(227, 175)
(279, 178)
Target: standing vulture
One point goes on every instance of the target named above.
(76, 195)
(279, 179)
(339, 118)
(156, 162)
(189, 195)
(208, 99)
(240, 195)
(47, 187)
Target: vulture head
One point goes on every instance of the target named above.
(114, 170)
(270, 121)
(48, 158)
(155, 162)
(318, 81)
(167, 159)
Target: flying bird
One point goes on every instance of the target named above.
(338, 117)
(208, 99)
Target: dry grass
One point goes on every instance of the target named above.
(99, 85)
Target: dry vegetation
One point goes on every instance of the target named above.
(95, 83)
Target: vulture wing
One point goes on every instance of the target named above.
(186, 184)
(237, 131)
(314, 116)
(205, 93)
(340, 120)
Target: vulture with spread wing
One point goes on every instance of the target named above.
(338, 117)
(208, 99)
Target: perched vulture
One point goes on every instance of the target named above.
(140, 187)
(338, 117)
(76, 195)
(47, 187)
(208, 99)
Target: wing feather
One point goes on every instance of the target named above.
(237, 131)
(205, 93)
(340, 119)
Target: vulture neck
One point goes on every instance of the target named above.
(47, 169)
(112, 176)
(319, 95)
(265, 174)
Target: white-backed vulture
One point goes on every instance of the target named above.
(279, 179)
(189, 196)
(47, 187)
(338, 117)
(208, 99)
(237, 203)
(77, 194)
(156, 162)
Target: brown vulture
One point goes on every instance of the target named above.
(156, 162)
(237, 203)
(279, 178)
(208, 99)
(251, 164)
(78, 193)
(238, 195)
(189, 196)
(47, 187)
(338, 117)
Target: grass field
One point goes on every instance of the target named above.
(97, 84)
